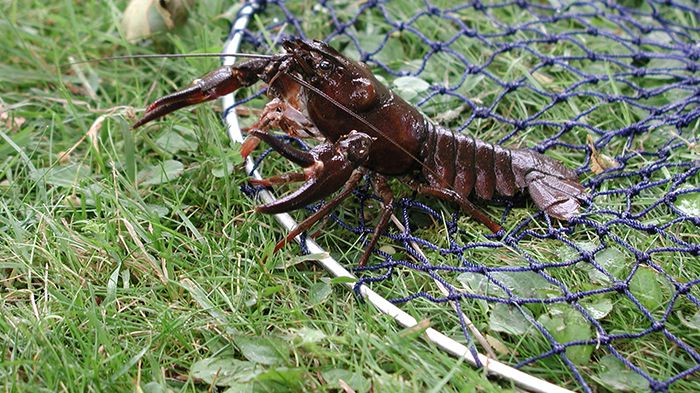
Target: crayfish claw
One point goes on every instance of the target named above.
(218, 83)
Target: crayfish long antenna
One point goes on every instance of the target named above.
(168, 56)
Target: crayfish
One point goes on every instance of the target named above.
(365, 127)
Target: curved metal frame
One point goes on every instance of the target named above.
(493, 367)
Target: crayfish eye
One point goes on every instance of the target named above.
(325, 65)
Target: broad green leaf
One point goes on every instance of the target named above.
(612, 261)
(355, 380)
(343, 280)
(524, 284)
(301, 259)
(646, 287)
(156, 387)
(223, 170)
(309, 335)
(567, 325)
(224, 371)
(319, 292)
(479, 284)
(387, 249)
(271, 290)
(18, 141)
(689, 203)
(177, 139)
(263, 349)
(598, 308)
(692, 322)
(160, 173)
(229, 163)
(497, 345)
(614, 375)
(509, 319)
(240, 388)
(289, 377)
(62, 176)
(408, 87)
(92, 193)
(112, 285)
(159, 210)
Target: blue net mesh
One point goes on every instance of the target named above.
(609, 88)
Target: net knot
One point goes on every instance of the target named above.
(573, 297)
(640, 72)
(604, 339)
(644, 258)
(657, 386)
(695, 250)
(511, 86)
(652, 230)
(692, 67)
(640, 58)
(694, 54)
(682, 289)
(620, 286)
(552, 39)
(436, 46)
(657, 326)
(435, 11)
(593, 31)
(477, 5)
(558, 348)
(481, 112)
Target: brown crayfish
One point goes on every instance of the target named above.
(317, 92)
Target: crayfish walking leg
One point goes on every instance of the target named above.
(327, 168)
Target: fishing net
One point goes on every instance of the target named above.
(610, 88)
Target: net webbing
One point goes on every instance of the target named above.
(609, 88)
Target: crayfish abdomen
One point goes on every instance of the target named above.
(472, 167)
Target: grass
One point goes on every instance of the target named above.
(115, 278)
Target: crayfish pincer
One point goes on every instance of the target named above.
(364, 127)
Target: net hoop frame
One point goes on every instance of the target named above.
(445, 343)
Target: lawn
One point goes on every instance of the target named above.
(133, 260)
